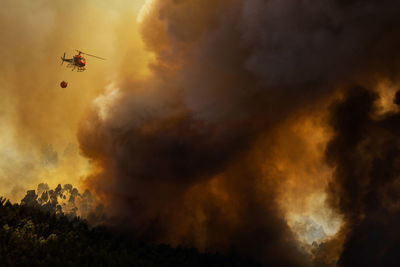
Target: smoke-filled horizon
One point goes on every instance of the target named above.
(263, 128)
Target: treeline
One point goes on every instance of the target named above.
(30, 236)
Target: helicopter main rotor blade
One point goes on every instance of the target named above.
(94, 56)
(80, 52)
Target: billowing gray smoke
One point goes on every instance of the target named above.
(179, 156)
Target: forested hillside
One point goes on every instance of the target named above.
(30, 236)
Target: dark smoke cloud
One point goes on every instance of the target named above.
(365, 152)
(177, 158)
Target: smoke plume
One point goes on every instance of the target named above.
(365, 152)
(186, 156)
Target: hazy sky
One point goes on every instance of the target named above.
(38, 119)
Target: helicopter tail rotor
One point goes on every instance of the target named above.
(63, 59)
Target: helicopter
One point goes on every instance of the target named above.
(78, 61)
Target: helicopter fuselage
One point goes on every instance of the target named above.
(78, 61)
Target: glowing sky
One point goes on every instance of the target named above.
(38, 119)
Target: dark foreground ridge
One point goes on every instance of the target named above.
(30, 236)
